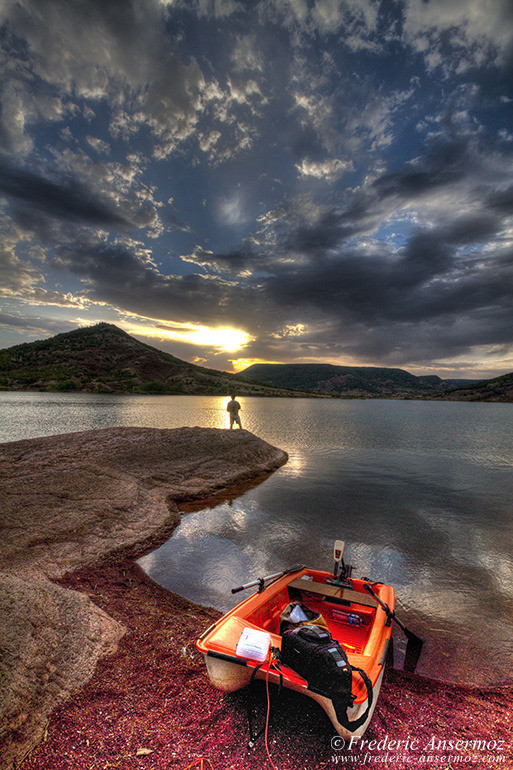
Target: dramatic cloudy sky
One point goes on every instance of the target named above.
(237, 181)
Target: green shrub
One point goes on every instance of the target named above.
(68, 385)
(155, 386)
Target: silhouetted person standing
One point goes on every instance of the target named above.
(233, 408)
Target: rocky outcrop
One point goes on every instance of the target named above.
(51, 640)
(79, 499)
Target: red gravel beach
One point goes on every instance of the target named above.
(151, 706)
(107, 673)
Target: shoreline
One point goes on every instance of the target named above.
(151, 704)
(438, 397)
(90, 498)
(102, 661)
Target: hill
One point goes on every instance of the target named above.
(497, 389)
(104, 358)
(348, 381)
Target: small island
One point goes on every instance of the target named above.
(99, 665)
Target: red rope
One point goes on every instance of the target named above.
(268, 713)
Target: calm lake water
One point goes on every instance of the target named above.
(422, 493)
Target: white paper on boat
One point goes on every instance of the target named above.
(254, 644)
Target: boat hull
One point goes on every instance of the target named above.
(365, 642)
(227, 675)
(230, 677)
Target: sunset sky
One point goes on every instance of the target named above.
(237, 181)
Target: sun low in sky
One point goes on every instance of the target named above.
(270, 180)
(224, 340)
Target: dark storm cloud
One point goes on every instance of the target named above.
(426, 282)
(445, 287)
(65, 199)
(365, 314)
(502, 201)
(122, 274)
(463, 165)
(448, 163)
(425, 301)
(36, 325)
(332, 227)
(472, 228)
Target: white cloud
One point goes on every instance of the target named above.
(16, 113)
(100, 51)
(244, 89)
(291, 12)
(207, 141)
(118, 184)
(98, 144)
(479, 30)
(232, 210)
(217, 9)
(355, 15)
(328, 169)
(22, 107)
(347, 118)
(246, 55)
(357, 19)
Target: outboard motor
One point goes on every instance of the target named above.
(341, 571)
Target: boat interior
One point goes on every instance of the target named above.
(347, 613)
(352, 616)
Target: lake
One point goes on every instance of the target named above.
(421, 491)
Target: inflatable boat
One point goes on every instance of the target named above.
(353, 616)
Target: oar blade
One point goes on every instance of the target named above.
(414, 644)
(413, 650)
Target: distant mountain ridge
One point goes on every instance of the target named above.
(104, 358)
(352, 381)
(498, 389)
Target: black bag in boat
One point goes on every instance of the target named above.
(312, 653)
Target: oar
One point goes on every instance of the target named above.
(260, 581)
(414, 644)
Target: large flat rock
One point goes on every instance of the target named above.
(68, 501)
(76, 500)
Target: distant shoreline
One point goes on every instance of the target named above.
(295, 394)
(105, 359)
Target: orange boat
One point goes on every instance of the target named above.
(354, 614)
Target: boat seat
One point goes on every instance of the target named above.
(334, 592)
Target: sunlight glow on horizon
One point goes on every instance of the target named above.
(238, 364)
(224, 339)
(484, 362)
(229, 340)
